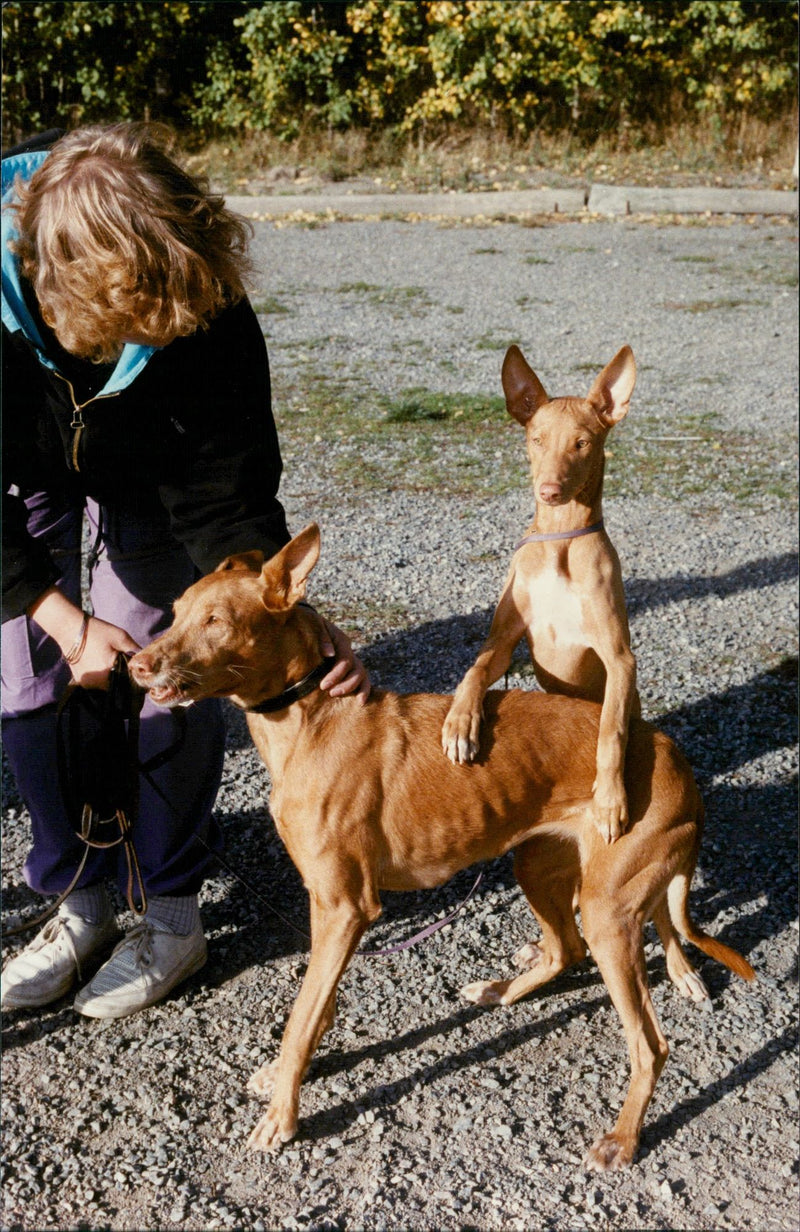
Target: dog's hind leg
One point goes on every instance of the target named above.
(680, 970)
(615, 940)
(547, 869)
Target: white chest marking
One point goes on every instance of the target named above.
(557, 611)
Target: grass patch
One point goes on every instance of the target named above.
(693, 457)
(408, 300)
(271, 306)
(488, 343)
(698, 306)
(747, 153)
(426, 441)
(421, 405)
(421, 440)
(360, 288)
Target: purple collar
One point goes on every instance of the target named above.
(561, 534)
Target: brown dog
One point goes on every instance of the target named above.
(564, 589)
(364, 801)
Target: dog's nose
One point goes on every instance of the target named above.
(140, 665)
(550, 493)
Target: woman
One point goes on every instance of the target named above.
(136, 393)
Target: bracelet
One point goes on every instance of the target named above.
(76, 649)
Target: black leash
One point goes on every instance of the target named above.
(97, 741)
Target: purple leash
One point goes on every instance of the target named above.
(426, 932)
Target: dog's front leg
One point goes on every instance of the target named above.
(609, 800)
(335, 933)
(461, 729)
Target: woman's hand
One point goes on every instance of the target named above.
(348, 674)
(92, 649)
(103, 643)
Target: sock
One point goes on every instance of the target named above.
(178, 914)
(91, 903)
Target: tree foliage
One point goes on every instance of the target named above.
(219, 68)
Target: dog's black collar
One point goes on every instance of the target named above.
(294, 691)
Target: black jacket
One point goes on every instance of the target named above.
(186, 431)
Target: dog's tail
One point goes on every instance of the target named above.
(678, 903)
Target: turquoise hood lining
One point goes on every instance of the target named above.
(15, 312)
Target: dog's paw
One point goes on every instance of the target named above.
(528, 956)
(690, 985)
(485, 992)
(274, 1128)
(461, 751)
(263, 1080)
(608, 1154)
(609, 813)
(460, 737)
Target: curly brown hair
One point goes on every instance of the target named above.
(120, 243)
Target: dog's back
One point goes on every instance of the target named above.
(428, 818)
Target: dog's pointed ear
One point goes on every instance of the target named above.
(523, 390)
(611, 392)
(249, 562)
(285, 575)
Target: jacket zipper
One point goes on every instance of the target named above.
(77, 424)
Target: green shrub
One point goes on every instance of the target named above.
(289, 65)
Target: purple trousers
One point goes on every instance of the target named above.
(139, 571)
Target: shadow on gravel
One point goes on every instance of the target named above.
(749, 853)
(21, 1027)
(643, 594)
(339, 1117)
(433, 657)
(666, 1126)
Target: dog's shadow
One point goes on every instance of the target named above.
(337, 1118)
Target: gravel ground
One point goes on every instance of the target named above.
(421, 1111)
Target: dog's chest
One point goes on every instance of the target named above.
(556, 609)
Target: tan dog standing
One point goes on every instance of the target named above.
(364, 801)
(564, 589)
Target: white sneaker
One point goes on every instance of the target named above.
(47, 968)
(145, 966)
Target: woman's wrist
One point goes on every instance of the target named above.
(61, 620)
(79, 645)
